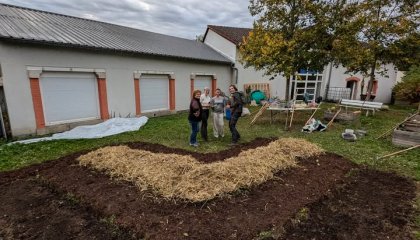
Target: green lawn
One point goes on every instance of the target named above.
(174, 130)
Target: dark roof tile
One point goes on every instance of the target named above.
(29, 25)
(233, 34)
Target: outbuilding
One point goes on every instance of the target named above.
(59, 71)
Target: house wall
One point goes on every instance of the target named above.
(119, 78)
(385, 83)
(250, 75)
(221, 44)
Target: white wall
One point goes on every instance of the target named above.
(250, 75)
(119, 75)
(221, 44)
(385, 83)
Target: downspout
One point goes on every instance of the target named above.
(3, 128)
(235, 72)
(327, 87)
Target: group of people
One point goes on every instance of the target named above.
(200, 106)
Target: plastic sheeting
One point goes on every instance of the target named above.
(109, 127)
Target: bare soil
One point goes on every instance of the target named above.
(60, 199)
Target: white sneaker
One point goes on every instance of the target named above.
(194, 144)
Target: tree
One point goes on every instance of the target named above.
(289, 35)
(409, 88)
(407, 51)
(380, 32)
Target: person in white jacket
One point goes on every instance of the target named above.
(205, 103)
(218, 104)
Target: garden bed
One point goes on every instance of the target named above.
(79, 202)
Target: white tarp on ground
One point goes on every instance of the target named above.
(109, 127)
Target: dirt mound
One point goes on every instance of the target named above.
(62, 198)
(30, 210)
(371, 205)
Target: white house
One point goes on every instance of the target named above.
(58, 71)
(331, 84)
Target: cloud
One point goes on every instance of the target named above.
(186, 18)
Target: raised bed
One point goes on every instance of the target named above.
(405, 138)
(342, 116)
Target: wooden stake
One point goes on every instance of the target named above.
(395, 153)
(332, 120)
(291, 118)
(396, 125)
(313, 114)
(260, 112)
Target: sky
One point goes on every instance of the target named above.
(181, 18)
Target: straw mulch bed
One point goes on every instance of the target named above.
(180, 176)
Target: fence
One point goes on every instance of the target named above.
(334, 94)
(263, 87)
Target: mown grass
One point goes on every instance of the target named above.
(174, 131)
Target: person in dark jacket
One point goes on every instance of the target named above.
(194, 117)
(235, 104)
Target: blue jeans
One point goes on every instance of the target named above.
(195, 129)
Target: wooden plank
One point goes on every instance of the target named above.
(405, 138)
(398, 124)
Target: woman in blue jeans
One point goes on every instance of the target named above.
(194, 117)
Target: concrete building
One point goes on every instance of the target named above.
(59, 71)
(331, 84)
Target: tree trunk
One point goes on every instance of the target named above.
(288, 79)
(370, 84)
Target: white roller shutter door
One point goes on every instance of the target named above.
(69, 97)
(200, 82)
(154, 93)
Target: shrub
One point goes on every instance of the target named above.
(409, 88)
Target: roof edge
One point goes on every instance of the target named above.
(108, 50)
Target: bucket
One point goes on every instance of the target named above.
(227, 112)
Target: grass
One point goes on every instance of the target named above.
(174, 131)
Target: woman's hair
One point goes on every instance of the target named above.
(195, 92)
(234, 87)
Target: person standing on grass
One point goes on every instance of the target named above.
(235, 104)
(205, 103)
(194, 117)
(218, 104)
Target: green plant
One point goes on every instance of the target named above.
(409, 88)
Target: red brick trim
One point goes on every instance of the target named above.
(375, 87)
(137, 95)
(192, 86)
(37, 102)
(103, 100)
(171, 94)
(353, 79)
(213, 86)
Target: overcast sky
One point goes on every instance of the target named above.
(181, 18)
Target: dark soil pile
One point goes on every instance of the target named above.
(75, 202)
(371, 205)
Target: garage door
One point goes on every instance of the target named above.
(154, 93)
(69, 97)
(200, 82)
